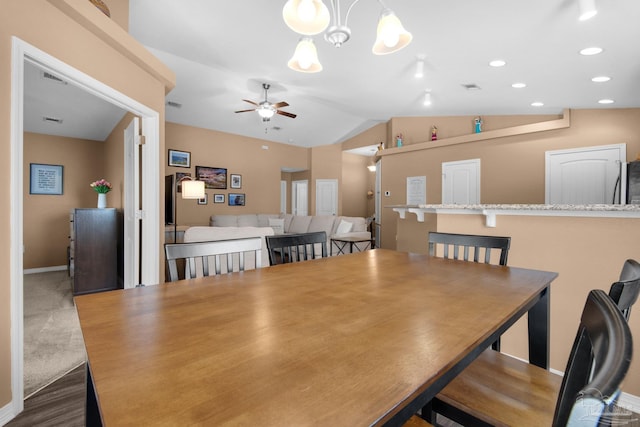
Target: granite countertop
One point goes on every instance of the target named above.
(536, 207)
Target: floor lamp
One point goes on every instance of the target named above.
(191, 189)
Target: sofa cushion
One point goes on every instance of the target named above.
(277, 224)
(287, 222)
(206, 234)
(344, 227)
(263, 219)
(224, 221)
(321, 223)
(249, 220)
(299, 224)
(359, 223)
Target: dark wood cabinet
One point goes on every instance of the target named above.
(94, 237)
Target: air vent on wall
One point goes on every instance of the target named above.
(174, 104)
(52, 120)
(470, 86)
(53, 78)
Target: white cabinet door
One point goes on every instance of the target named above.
(587, 175)
(461, 182)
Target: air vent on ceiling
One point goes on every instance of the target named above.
(470, 86)
(52, 120)
(276, 128)
(53, 78)
(174, 104)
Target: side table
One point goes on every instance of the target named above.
(342, 242)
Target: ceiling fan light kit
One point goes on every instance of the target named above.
(266, 109)
(310, 17)
(587, 9)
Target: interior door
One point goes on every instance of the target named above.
(132, 204)
(326, 196)
(299, 197)
(461, 182)
(589, 175)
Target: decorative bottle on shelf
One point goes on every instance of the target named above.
(434, 133)
(478, 124)
(399, 140)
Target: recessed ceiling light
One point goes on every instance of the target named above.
(537, 104)
(600, 79)
(591, 51)
(606, 101)
(518, 85)
(497, 63)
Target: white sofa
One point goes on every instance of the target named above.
(334, 226)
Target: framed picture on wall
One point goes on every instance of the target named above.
(45, 179)
(203, 201)
(214, 178)
(236, 199)
(179, 176)
(218, 198)
(181, 159)
(235, 181)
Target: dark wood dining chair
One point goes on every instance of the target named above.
(459, 246)
(285, 248)
(497, 389)
(197, 256)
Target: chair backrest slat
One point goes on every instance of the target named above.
(196, 255)
(467, 241)
(625, 291)
(284, 248)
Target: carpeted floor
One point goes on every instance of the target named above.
(53, 342)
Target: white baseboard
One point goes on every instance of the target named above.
(45, 269)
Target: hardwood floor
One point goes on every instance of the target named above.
(59, 404)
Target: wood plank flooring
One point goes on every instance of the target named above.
(59, 404)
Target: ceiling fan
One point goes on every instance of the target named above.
(265, 109)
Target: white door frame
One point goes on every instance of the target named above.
(294, 196)
(23, 51)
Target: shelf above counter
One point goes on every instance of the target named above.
(491, 211)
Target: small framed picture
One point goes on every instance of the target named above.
(236, 181)
(203, 201)
(218, 198)
(236, 199)
(45, 179)
(181, 159)
(214, 178)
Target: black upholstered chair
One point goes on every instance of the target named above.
(285, 248)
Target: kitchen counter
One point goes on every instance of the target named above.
(490, 211)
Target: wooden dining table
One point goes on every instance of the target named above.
(355, 340)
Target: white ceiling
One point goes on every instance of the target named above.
(222, 52)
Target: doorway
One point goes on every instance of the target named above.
(150, 242)
(299, 197)
(461, 182)
(326, 196)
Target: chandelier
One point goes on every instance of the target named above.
(311, 17)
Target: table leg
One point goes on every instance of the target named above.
(539, 331)
(92, 412)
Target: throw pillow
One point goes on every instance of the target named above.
(277, 224)
(344, 227)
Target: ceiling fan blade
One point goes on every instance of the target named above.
(250, 102)
(284, 113)
(280, 105)
(244, 111)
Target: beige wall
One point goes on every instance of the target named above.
(587, 253)
(512, 168)
(46, 217)
(47, 27)
(260, 169)
(356, 181)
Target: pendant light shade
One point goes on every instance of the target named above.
(305, 58)
(391, 34)
(587, 9)
(307, 17)
(192, 189)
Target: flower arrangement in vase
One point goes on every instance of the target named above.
(102, 187)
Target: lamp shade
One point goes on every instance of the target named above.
(587, 9)
(192, 189)
(306, 17)
(391, 35)
(305, 58)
